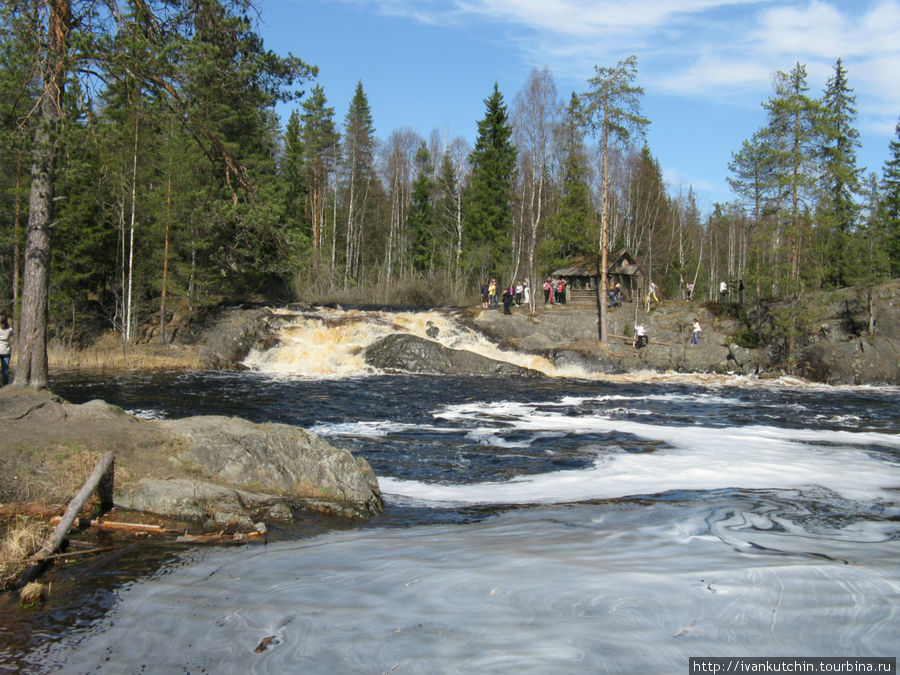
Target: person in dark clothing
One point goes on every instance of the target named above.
(507, 301)
(741, 291)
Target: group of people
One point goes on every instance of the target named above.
(615, 296)
(723, 291)
(516, 293)
(6, 332)
(555, 291)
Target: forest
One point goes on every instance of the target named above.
(146, 176)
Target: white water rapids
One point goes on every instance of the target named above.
(602, 526)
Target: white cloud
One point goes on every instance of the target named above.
(722, 50)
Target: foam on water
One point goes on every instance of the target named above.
(680, 521)
(581, 589)
(688, 458)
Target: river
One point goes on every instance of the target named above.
(559, 524)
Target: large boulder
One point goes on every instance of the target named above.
(410, 354)
(868, 360)
(276, 459)
(236, 331)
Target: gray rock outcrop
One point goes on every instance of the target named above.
(275, 462)
(410, 354)
(289, 459)
(234, 333)
(213, 505)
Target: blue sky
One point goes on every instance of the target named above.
(705, 65)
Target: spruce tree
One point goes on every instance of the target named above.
(420, 217)
(837, 211)
(488, 214)
(320, 139)
(890, 204)
(359, 172)
(572, 228)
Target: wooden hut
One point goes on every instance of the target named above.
(623, 270)
(583, 281)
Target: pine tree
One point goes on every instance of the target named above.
(613, 111)
(792, 134)
(488, 214)
(420, 218)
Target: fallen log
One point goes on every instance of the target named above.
(29, 509)
(72, 554)
(631, 339)
(218, 537)
(101, 481)
(118, 525)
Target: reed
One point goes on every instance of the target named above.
(107, 357)
(23, 537)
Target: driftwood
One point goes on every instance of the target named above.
(141, 528)
(29, 509)
(101, 481)
(130, 527)
(87, 551)
(218, 537)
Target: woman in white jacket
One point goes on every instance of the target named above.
(5, 350)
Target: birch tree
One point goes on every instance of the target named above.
(537, 115)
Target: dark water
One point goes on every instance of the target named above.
(664, 486)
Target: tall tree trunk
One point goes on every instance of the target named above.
(604, 232)
(165, 269)
(17, 224)
(128, 303)
(31, 364)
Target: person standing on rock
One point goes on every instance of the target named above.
(695, 333)
(640, 337)
(492, 293)
(723, 291)
(507, 299)
(5, 349)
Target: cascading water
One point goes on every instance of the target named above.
(552, 525)
(332, 342)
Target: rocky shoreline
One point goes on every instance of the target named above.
(222, 473)
(839, 350)
(851, 339)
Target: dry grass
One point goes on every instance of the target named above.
(23, 538)
(33, 593)
(111, 354)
